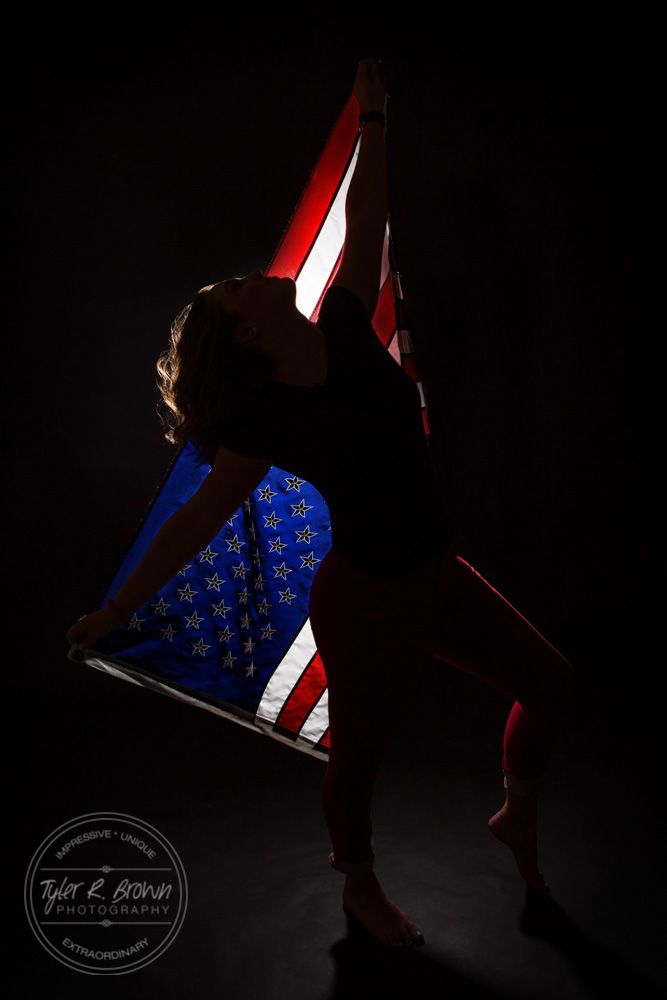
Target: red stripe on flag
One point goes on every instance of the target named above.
(318, 195)
(316, 311)
(384, 319)
(304, 696)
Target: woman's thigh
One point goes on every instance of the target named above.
(372, 634)
(478, 631)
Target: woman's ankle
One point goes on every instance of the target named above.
(519, 787)
(360, 881)
(352, 868)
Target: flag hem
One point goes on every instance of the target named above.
(153, 682)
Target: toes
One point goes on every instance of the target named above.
(408, 928)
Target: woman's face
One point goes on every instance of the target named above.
(255, 298)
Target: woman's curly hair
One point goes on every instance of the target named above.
(203, 375)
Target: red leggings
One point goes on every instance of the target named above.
(374, 635)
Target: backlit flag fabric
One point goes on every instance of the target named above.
(230, 632)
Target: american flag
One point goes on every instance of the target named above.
(230, 633)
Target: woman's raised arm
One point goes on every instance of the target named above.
(367, 202)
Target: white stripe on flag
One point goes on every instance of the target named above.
(323, 255)
(393, 349)
(320, 262)
(287, 674)
(317, 722)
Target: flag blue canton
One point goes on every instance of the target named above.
(225, 620)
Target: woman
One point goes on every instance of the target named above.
(391, 591)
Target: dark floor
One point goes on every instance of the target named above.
(264, 914)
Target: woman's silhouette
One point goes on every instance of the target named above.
(391, 591)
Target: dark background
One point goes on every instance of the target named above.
(147, 159)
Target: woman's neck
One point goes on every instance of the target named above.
(302, 357)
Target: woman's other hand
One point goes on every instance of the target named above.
(87, 629)
(370, 86)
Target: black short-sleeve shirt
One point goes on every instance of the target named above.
(359, 439)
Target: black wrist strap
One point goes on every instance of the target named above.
(371, 116)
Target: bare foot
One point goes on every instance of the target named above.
(366, 900)
(516, 825)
